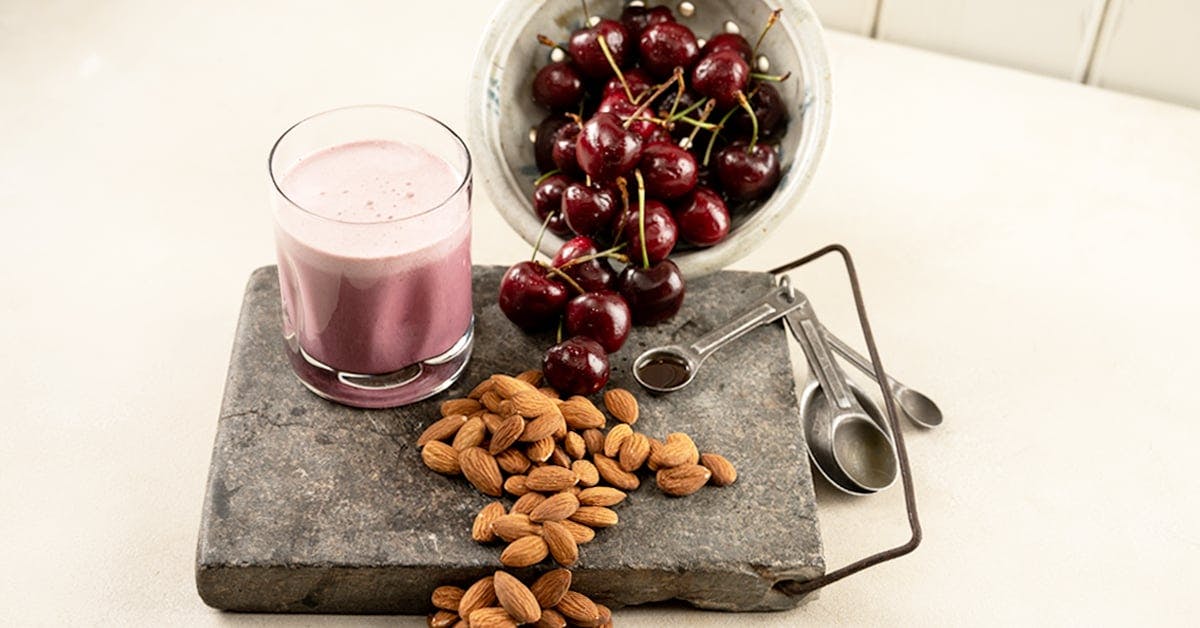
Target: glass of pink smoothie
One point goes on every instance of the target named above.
(372, 208)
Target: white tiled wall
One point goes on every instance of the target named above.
(854, 16)
(1150, 47)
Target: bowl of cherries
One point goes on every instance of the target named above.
(635, 144)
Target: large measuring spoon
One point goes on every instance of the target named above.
(919, 408)
(843, 439)
(670, 368)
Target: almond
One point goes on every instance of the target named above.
(577, 608)
(451, 407)
(516, 598)
(512, 461)
(491, 617)
(612, 473)
(550, 587)
(533, 377)
(442, 619)
(442, 429)
(605, 615)
(549, 392)
(531, 403)
(471, 434)
(560, 542)
(509, 387)
(723, 471)
(551, 619)
(481, 529)
(525, 551)
(555, 508)
(550, 479)
(682, 480)
(595, 516)
(447, 598)
(559, 458)
(581, 533)
(540, 451)
(478, 595)
(594, 439)
(506, 434)
(601, 496)
(616, 436)
(634, 452)
(572, 444)
(440, 457)
(526, 503)
(492, 400)
(587, 472)
(491, 421)
(515, 526)
(515, 485)
(481, 470)
(581, 414)
(542, 426)
(655, 446)
(622, 405)
(479, 389)
(676, 450)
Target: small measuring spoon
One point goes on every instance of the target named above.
(814, 416)
(845, 442)
(919, 408)
(671, 367)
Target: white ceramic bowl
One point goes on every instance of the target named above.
(502, 114)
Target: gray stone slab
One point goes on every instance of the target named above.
(316, 507)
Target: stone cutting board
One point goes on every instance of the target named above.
(313, 507)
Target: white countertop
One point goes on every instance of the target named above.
(1028, 249)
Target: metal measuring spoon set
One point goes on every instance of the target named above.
(848, 438)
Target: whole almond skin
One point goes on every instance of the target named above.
(509, 387)
(550, 479)
(516, 598)
(491, 400)
(525, 551)
(551, 619)
(491, 421)
(527, 502)
(531, 403)
(555, 508)
(622, 405)
(481, 528)
(616, 436)
(588, 474)
(533, 377)
(581, 533)
(634, 452)
(451, 407)
(560, 458)
(676, 450)
(507, 434)
(471, 434)
(479, 389)
(441, 457)
(572, 444)
(442, 429)
(723, 471)
(581, 414)
(601, 496)
(549, 392)
(477, 596)
(550, 587)
(481, 470)
(447, 598)
(540, 451)
(682, 480)
(515, 485)
(543, 426)
(512, 461)
(655, 449)
(595, 516)
(560, 542)
(442, 619)
(612, 473)
(515, 526)
(594, 440)
(491, 617)
(577, 608)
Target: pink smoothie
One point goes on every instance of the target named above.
(375, 270)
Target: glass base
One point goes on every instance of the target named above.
(388, 390)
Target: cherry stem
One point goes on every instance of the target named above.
(565, 277)
(708, 109)
(642, 216)
(770, 22)
(542, 179)
(612, 62)
(587, 16)
(753, 121)
(537, 246)
(678, 96)
(578, 119)
(657, 92)
(613, 253)
(700, 124)
(624, 188)
(558, 334)
(773, 78)
(713, 140)
(694, 106)
(546, 41)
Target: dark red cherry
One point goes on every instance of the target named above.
(666, 46)
(558, 87)
(661, 232)
(728, 41)
(636, 19)
(702, 217)
(529, 298)
(637, 80)
(618, 104)
(670, 171)
(720, 76)
(768, 107)
(606, 149)
(602, 316)
(592, 275)
(543, 147)
(589, 209)
(576, 366)
(562, 151)
(654, 294)
(747, 174)
(586, 53)
(547, 201)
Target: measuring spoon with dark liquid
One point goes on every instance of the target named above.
(670, 368)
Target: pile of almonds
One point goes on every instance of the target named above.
(503, 601)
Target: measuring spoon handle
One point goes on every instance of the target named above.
(807, 330)
(857, 359)
(770, 308)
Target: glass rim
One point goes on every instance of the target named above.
(463, 182)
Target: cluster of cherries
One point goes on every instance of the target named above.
(635, 173)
